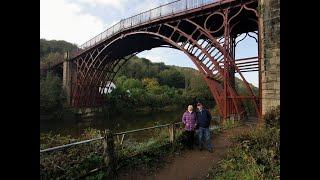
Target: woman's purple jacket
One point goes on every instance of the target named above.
(189, 119)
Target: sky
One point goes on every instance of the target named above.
(77, 21)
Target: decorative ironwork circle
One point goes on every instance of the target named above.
(211, 15)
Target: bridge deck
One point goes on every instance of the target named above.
(172, 11)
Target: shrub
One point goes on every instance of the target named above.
(78, 161)
(255, 154)
(272, 117)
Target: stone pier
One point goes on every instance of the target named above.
(269, 11)
(68, 73)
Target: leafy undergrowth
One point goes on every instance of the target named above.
(70, 162)
(79, 160)
(146, 156)
(255, 155)
(231, 124)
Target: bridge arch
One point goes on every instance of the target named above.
(210, 54)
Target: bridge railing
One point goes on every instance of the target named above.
(153, 14)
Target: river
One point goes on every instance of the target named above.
(121, 122)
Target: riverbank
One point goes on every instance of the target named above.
(117, 122)
(256, 152)
(80, 160)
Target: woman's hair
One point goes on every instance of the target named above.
(190, 106)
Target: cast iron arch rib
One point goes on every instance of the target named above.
(99, 65)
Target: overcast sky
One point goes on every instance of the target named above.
(77, 21)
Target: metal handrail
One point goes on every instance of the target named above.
(99, 138)
(71, 144)
(152, 14)
(143, 129)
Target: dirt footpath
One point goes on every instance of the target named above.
(193, 164)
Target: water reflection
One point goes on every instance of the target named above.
(122, 122)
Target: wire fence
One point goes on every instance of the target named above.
(84, 157)
(122, 134)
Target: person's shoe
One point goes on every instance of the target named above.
(200, 148)
(211, 150)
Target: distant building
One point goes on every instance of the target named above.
(110, 86)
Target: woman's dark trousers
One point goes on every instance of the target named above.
(190, 139)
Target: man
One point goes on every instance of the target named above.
(203, 121)
(189, 119)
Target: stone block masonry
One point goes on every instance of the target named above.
(270, 53)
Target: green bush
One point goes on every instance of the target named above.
(53, 104)
(77, 161)
(231, 124)
(255, 155)
(272, 117)
(71, 162)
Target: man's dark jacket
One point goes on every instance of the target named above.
(203, 118)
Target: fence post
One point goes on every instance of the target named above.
(232, 119)
(172, 133)
(222, 122)
(109, 153)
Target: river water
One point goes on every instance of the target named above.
(119, 123)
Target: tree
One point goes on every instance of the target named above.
(52, 97)
(152, 85)
(50, 58)
(53, 46)
(119, 80)
(131, 83)
(139, 97)
(198, 88)
(134, 68)
(172, 78)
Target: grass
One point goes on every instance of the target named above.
(145, 155)
(231, 124)
(77, 161)
(70, 162)
(255, 155)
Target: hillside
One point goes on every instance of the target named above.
(54, 46)
(174, 76)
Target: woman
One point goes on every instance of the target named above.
(189, 119)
